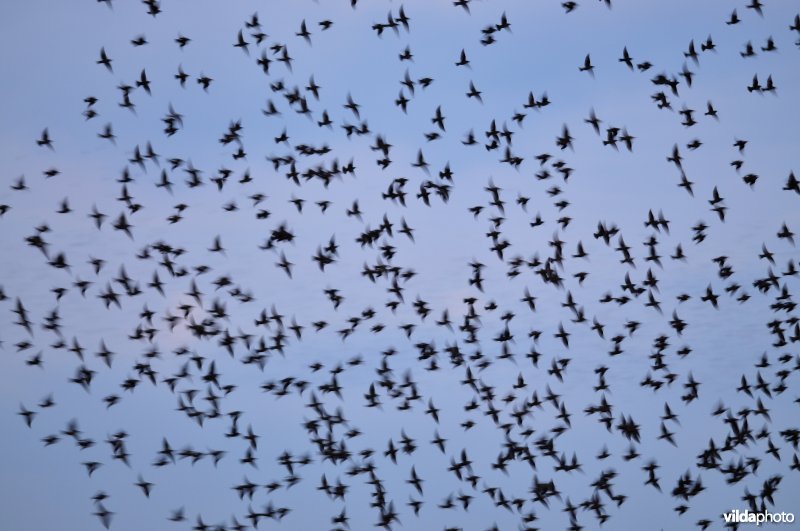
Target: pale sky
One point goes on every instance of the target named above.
(49, 58)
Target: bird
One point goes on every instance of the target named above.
(105, 60)
(45, 140)
(587, 66)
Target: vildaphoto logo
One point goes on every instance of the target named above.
(749, 517)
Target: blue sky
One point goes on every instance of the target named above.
(50, 53)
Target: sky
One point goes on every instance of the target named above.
(49, 57)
